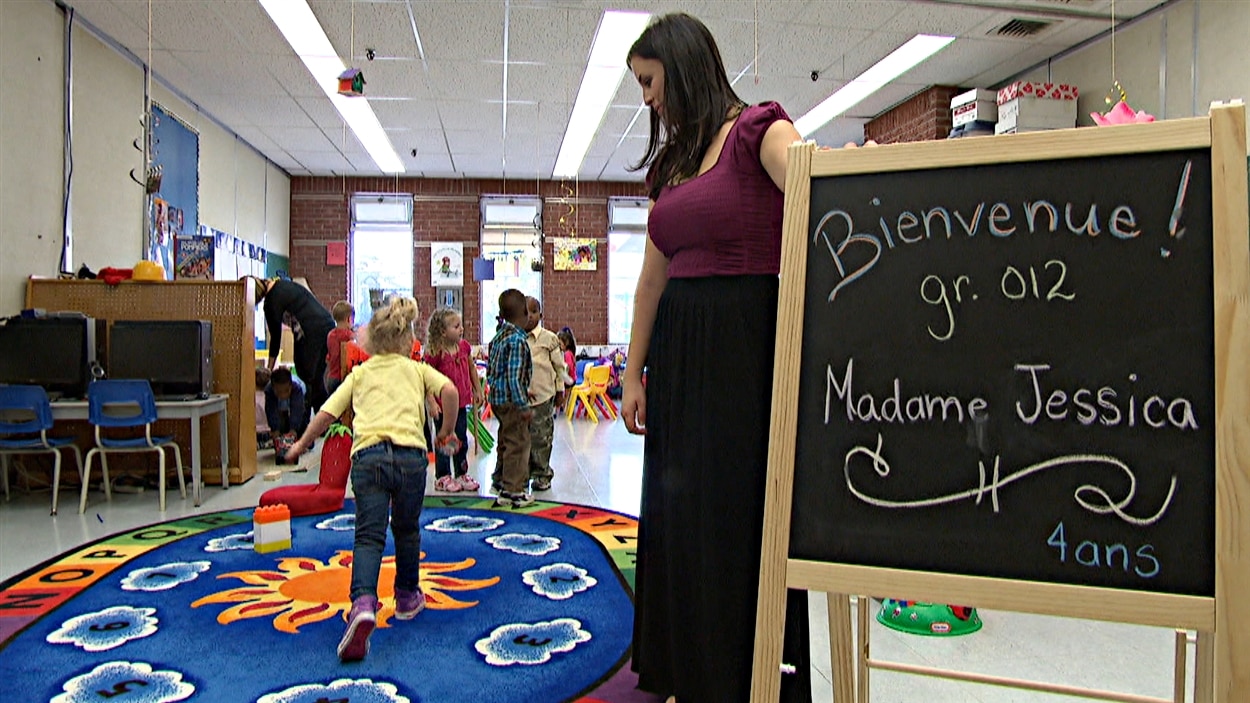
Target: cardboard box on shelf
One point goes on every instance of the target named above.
(979, 111)
(1027, 107)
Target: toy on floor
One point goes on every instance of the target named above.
(271, 528)
(325, 496)
(282, 443)
(933, 619)
(480, 434)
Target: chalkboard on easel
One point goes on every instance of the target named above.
(1009, 372)
(1083, 327)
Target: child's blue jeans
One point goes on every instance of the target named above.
(389, 481)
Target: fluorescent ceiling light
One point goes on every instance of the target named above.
(304, 33)
(617, 32)
(901, 60)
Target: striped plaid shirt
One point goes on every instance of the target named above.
(509, 366)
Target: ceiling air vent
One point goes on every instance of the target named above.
(1022, 28)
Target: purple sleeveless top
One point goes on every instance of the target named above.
(726, 222)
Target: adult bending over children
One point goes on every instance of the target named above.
(387, 395)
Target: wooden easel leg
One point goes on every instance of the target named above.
(862, 604)
(841, 647)
(1204, 668)
(1178, 666)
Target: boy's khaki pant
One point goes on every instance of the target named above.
(542, 434)
(514, 448)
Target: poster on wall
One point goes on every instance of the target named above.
(194, 255)
(573, 254)
(447, 264)
(160, 238)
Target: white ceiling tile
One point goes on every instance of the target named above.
(407, 114)
(322, 162)
(284, 112)
(473, 142)
(796, 50)
(466, 80)
(556, 36)
(544, 117)
(455, 30)
(935, 18)
(321, 112)
(291, 72)
(425, 141)
(306, 139)
(480, 115)
(852, 14)
(354, 27)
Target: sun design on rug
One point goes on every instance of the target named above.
(303, 590)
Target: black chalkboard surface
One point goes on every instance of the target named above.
(1034, 400)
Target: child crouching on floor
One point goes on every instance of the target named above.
(387, 394)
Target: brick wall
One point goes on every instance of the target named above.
(447, 210)
(923, 117)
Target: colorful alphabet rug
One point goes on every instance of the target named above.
(531, 605)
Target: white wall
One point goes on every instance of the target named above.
(1158, 59)
(240, 191)
(31, 68)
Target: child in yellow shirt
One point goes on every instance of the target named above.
(387, 394)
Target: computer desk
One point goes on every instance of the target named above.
(192, 410)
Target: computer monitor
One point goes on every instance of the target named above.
(175, 356)
(54, 352)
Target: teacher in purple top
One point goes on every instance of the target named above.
(705, 317)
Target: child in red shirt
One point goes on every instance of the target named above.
(344, 331)
(448, 353)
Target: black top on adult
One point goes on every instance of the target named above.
(284, 301)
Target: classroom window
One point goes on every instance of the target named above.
(381, 250)
(627, 240)
(509, 237)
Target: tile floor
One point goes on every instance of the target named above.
(601, 465)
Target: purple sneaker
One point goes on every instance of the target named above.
(408, 604)
(360, 623)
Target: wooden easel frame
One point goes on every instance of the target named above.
(1227, 615)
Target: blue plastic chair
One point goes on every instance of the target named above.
(117, 403)
(24, 410)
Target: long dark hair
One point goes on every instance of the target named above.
(697, 97)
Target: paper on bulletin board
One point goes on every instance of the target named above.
(447, 264)
(575, 254)
(336, 254)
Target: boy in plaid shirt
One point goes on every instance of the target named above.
(508, 372)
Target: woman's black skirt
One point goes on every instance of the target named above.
(709, 390)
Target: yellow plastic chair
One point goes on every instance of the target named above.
(592, 390)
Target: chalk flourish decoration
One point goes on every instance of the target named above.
(1102, 506)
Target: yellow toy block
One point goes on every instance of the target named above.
(271, 528)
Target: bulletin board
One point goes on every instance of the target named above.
(174, 209)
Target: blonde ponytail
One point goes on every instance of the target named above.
(390, 330)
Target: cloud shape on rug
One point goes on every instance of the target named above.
(530, 545)
(242, 540)
(465, 523)
(165, 576)
(531, 643)
(105, 629)
(113, 679)
(559, 581)
(355, 690)
(338, 523)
